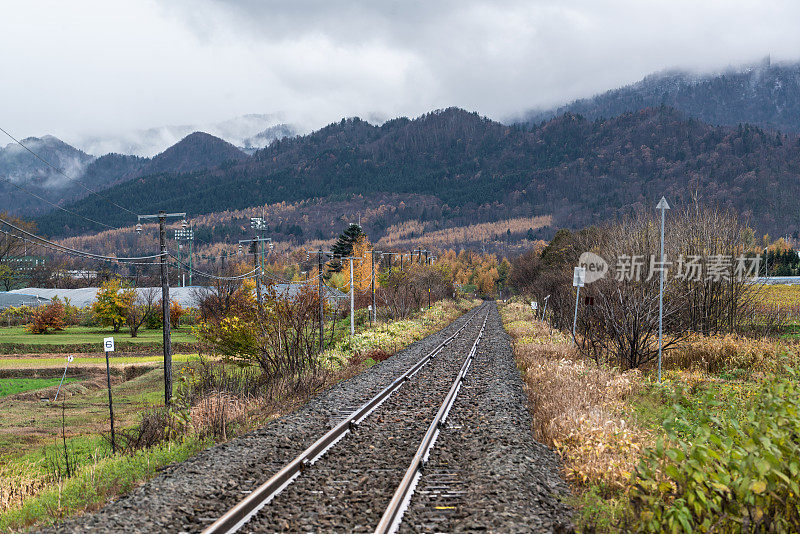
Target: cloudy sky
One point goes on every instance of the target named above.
(101, 67)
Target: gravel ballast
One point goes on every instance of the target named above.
(486, 471)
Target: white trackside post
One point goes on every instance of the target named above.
(578, 279)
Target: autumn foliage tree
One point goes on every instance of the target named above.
(50, 316)
(113, 304)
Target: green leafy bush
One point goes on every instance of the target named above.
(724, 475)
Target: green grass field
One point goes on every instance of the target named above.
(12, 386)
(34, 362)
(75, 335)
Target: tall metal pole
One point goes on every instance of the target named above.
(162, 235)
(321, 303)
(110, 405)
(373, 315)
(258, 277)
(544, 311)
(575, 318)
(191, 242)
(352, 301)
(180, 265)
(663, 206)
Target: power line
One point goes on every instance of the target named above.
(213, 276)
(53, 204)
(62, 173)
(69, 250)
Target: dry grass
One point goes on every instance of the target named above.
(577, 407)
(215, 413)
(15, 488)
(730, 353)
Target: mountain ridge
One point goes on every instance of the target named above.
(23, 171)
(765, 94)
(580, 171)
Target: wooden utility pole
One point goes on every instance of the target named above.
(167, 338)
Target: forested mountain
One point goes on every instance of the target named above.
(580, 171)
(249, 132)
(765, 95)
(196, 152)
(21, 168)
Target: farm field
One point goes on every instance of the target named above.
(75, 335)
(12, 386)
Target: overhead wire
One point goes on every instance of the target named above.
(69, 250)
(214, 276)
(65, 175)
(111, 259)
(62, 208)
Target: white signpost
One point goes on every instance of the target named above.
(578, 280)
(108, 346)
(69, 361)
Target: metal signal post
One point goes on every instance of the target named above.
(162, 236)
(185, 234)
(374, 314)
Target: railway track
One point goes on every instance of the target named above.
(365, 482)
(484, 472)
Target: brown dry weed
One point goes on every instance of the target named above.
(577, 406)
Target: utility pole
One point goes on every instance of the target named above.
(320, 264)
(352, 300)
(254, 245)
(352, 294)
(374, 314)
(663, 206)
(162, 237)
(258, 277)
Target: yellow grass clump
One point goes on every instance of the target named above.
(577, 406)
(718, 354)
(15, 488)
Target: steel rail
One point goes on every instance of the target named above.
(240, 514)
(393, 515)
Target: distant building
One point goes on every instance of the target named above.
(24, 263)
